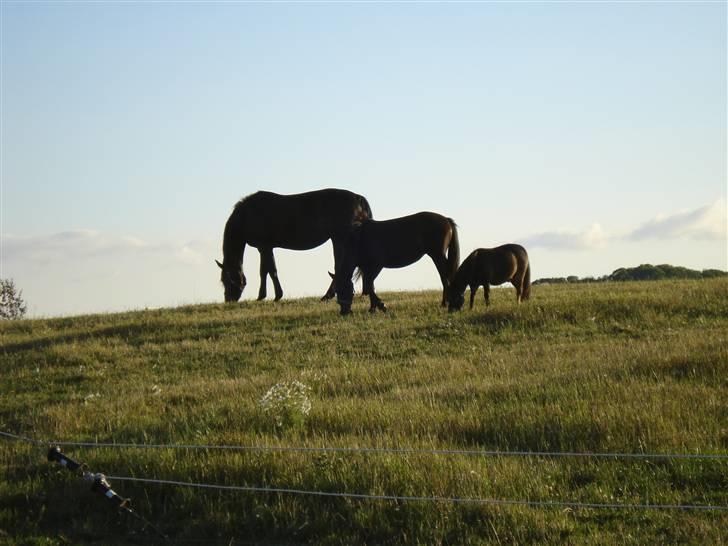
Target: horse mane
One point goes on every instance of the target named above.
(240, 204)
(232, 244)
(462, 275)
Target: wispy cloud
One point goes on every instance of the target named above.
(88, 245)
(592, 237)
(707, 223)
(704, 223)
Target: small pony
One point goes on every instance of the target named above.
(486, 266)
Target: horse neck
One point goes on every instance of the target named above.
(462, 276)
(233, 241)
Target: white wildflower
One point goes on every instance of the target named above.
(287, 402)
(91, 397)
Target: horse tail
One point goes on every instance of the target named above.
(357, 276)
(332, 290)
(453, 251)
(526, 290)
(366, 211)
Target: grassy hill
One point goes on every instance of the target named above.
(609, 367)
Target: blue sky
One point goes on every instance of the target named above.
(592, 133)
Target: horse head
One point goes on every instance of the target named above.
(455, 301)
(233, 280)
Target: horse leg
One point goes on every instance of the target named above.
(441, 264)
(345, 263)
(368, 288)
(486, 288)
(517, 283)
(273, 272)
(268, 267)
(375, 303)
(262, 291)
(331, 290)
(473, 290)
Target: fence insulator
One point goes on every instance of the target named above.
(55, 455)
(102, 486)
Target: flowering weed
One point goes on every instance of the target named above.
(287, 403)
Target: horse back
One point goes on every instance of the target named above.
(500, 264)
(402, 241)
(298, 221)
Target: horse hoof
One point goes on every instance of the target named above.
(383, 308)
(278, 297)
(372, 310)
(260, 298)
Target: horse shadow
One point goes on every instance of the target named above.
(127, 331)
(133, 334)
(492, 321)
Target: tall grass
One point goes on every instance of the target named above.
(610, 367)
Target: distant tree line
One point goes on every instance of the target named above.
(644, 272)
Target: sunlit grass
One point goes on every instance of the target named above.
(612, 367)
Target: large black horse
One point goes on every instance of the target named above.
(267, 220)
(397, 243)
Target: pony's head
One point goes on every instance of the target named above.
(234, 282)
(455, 301)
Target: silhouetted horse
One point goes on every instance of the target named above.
(398, 243)
(486, 266)
(266, 220)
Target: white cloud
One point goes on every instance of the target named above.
(707, 223)
(592, 237)
(86, 246)
(187, 255)
(85, 271)
(704, 223)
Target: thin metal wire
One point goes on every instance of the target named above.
(457, 500)
(502, 502)
(380, 450)
(22, 438)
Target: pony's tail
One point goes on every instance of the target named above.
(526, 292)
(453, 252)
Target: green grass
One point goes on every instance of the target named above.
(609, 367)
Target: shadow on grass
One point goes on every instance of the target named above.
(493, 321)
(134, 334)
(547, 434)
(124, 331)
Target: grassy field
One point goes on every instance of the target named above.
(609, 367)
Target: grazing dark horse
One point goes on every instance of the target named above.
(266, 220)
(398, 243)
(486, 266)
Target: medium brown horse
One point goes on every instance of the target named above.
(398, 243)
(266, 220)
(486, 266)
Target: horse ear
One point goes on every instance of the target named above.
(218, 263)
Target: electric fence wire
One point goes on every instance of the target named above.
(403, 498)
(366, 496)
(380, 450)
